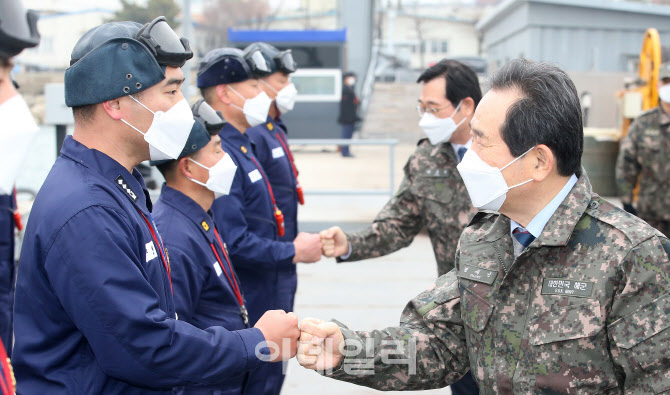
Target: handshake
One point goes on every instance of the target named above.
(330, 242)
(316, 343)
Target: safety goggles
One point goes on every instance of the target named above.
(168, 48)
(18, 28)
(257, 63)
(213, 120)
(285, 62)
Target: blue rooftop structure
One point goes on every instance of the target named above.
(287, 36)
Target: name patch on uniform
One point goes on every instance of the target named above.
(437, 172)
(277, 153)
(255, 175)
(477, 274)
(124, 185)
(151, 251)
(558, 286)
(217, 269)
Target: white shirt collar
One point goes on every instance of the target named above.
(456, 147)
(537, 224)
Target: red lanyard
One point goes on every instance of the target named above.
(298, 188)
(17, 214)
(160, 249)
(284, 145)
(279, 217)
(8, 382)
(232, 280)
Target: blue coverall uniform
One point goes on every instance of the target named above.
(7, 268)
(94, 311)
(270, 145)
(203, 294)
(246, 218)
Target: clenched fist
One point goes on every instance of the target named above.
(320, 343)
(281, 334)
(307, 248)
(334, 242)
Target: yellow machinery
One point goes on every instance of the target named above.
(644, 94)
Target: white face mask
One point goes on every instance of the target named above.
(664, 93)
(16, 136)
(221, 176)
(255, 110)
(285, 98)
(485, 184)
(439, 130)
(169, 130)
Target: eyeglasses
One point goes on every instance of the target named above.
(422, 110)
(168, 48)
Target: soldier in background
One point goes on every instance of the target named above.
(555, 289)
(348, 111)
(643, 156)
(432, 194)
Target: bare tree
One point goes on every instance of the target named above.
(418, 28)
(219, 15)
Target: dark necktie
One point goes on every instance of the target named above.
(461, 153)
(523, 236)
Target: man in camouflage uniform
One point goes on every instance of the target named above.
(432, 194)
(579, 306)
(643, 156)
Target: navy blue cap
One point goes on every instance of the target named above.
(197, 139)
(223, 66)
(107, 63)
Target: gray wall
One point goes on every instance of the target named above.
(357, 17)
(603, 87)
(313, 121)
(573, 37)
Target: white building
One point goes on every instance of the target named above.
(60, 31)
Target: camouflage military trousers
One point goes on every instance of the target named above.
(660, 225)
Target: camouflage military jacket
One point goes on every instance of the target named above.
(644, 153)
(431, 195)
(583, 310)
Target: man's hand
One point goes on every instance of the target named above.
(334, 242)
(281, 334)
(307, 248)
(319, 347)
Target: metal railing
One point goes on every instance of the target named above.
(391, 143)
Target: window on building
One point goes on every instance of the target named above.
(444, 46)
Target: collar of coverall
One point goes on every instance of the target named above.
(192, 210)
